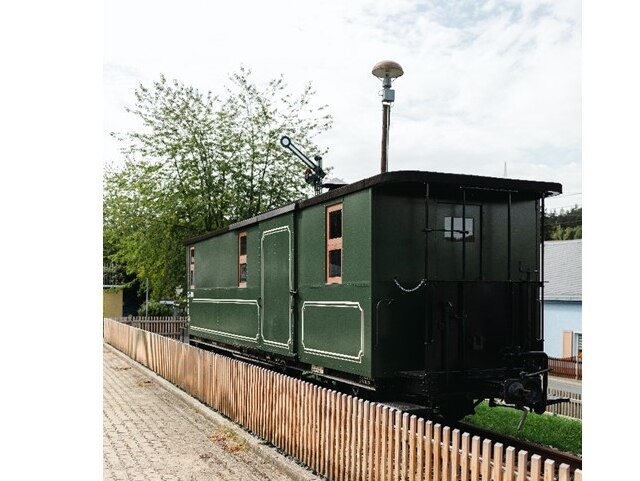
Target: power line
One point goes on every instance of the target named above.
(579, 206)
(566, 195)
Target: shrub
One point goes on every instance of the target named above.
(155, 309)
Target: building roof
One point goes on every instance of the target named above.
(563, 270)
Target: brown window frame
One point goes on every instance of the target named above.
(192, 267)
(242, 259)
(333, 244)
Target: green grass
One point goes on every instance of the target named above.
(558, 432)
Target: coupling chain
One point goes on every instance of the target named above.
(404, 289)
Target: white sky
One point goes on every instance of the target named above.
(486, 82)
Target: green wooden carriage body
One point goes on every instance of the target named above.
(397, 228)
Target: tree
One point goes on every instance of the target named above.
(199, 163)
(563, 225)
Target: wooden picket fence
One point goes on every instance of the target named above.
(340, 437)
(572, 409)
(173, 327)
(566, 367)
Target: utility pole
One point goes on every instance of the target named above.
(387, 71)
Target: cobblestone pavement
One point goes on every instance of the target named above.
(151, 433)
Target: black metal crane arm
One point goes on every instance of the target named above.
(286, 143)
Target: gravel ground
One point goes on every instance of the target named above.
(153, 431)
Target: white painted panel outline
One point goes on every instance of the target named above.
(335, 355)
(224, 333)
(270, 342)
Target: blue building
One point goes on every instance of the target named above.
(563, 298)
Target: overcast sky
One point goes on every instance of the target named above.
(486, 82)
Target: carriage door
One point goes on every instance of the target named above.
(457, 241)
(450, 327)
(277, 285)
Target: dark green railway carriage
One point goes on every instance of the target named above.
(423, 283)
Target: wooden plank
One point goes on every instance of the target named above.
(404, 446)
(577, 475)
(412, 448)
(536, 468)
(337, 441)
(428, 450)
(307, 419)
(446, 446)
(384, 441)
(522, 465)
(323, 421)
(365, 442)
(343, 437)
(335, 434)
(464, 460)
(549, 470)
(390, 417)
(300, 425)
(475, 458)
(497, 462)
(297, 424)
(564, 472)
(346, 454)
(311, 435)
(376, 475)
(397, 436)
(327, 436)
(485, 469)
(286, 413)
(455, 455)
(359, 432)
(420, 476)
(354, 445)
(372, 440)
(437, 436)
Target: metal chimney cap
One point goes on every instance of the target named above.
(387, 69)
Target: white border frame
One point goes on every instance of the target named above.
(224, 333)
(269, 342)
(331, 354)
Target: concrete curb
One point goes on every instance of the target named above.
(267, 453)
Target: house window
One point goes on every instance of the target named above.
(454, 229)
(192, 266)
(242, 259)
(334, 244)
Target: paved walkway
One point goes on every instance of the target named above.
(569, 385)
(153, 431)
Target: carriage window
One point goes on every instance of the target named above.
(453, 229)
(192, 266)
(334, 245)
(242, 259)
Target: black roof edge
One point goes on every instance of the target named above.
(243, 223)
(545, 189)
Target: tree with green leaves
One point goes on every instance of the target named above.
(198, 163)
(563, 225)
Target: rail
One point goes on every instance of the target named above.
(338, 436)
(566, 367)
